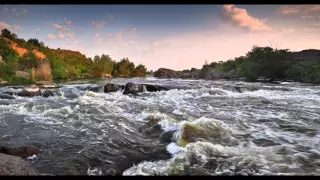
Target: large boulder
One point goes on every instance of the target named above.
(132, 88)
(190, 133)
(23, 74)
(110, 87)
(30, 91)
(165, 73)
(13, 165)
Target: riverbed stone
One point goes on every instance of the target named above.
(30, 91)
(22, 152)
(47, 93)
(13, 165)
(189, 133)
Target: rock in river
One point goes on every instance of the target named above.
(47, 93)
(30, 91)
(132, 88)
(6, 96)
(189, 133)
(110, 87)
(12, 165)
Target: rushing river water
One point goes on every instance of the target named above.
(268, 129)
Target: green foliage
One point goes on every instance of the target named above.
(28, 60)
(14, 80)
(65, 64)
(6, 70)
(8, 55)
(58, 70)
(271, 64)
(35, 42)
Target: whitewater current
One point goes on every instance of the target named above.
(263, 129)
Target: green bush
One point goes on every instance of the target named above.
(14, 80)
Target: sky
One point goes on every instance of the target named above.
(170, 36)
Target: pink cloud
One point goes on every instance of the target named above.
(61, 35)
(51, 36)
(4, 25)
(57, 26)
(293, 9)
(98, 24)
(306, 17)
(241, 18)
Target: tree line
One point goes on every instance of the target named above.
(267, 63)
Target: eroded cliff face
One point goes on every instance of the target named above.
(40, 72)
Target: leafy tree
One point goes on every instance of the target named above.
(141, 70)
(35, 42)
(6, 33)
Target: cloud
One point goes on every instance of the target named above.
(24, 10)
(57, 26)
(98, 24)
(294, 9)
(5, 10)
(241, 18)
(60, 35)
(16, 27)
(14, 11)
(4, 25)
(51, 36)
(69, 22)
(306, 17)
(37, 29)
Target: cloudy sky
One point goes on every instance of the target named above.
(172, 36)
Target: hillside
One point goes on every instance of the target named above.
(260, 63)
(19, 55)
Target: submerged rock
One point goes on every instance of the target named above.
(47, 93)
(154, 88)
(154, 118)
(6, 96)
(132, 88)
(95, 89)
(189, 133)
(110, 87)
(265, 142)
(30, 91)
(12, 165)
(167, 136)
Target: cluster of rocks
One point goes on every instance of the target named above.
(129, 88)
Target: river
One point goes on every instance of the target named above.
(267, 129)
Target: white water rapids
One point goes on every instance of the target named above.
(268, 129)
